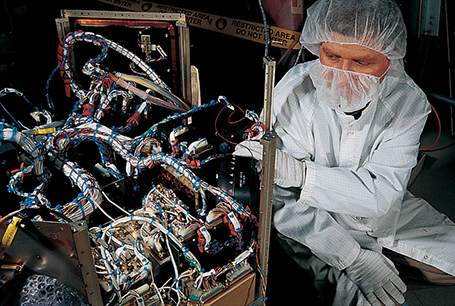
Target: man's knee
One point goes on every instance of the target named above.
(416, 269)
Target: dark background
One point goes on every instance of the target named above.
(227, 65)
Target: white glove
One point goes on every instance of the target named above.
(289, 172)
(377, 278)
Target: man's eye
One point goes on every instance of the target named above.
(361, 63)
(333, 57)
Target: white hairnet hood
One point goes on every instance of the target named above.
(375, 24)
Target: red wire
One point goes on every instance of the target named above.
(288, 50)
(439, 130)
(229, 121)
(237, 121)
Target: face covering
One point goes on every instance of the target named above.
(345, 90)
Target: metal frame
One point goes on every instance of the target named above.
(86, 281)
(63, 27)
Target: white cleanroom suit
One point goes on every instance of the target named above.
(348, 128)
(354, 195)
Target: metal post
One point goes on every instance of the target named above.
(268, 170)
(185, 68)
(84, 254)
(269, 85)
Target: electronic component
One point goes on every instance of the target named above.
(133, 198)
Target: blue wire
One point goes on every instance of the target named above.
(18, 124)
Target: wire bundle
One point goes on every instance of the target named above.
(124, 245)
(156, 84)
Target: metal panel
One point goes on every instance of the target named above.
(58, 250)
(430, 12)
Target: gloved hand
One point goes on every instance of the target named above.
(377, 278)
(289, 172)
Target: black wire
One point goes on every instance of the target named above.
(266, 31)
(9, 16)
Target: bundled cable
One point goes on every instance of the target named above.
(164, 223)
(156, 83)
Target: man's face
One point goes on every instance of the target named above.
(353, 58)
(353, 65)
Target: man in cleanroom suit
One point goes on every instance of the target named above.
(348, 127)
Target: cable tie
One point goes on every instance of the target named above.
(81, 209)
(14, 131)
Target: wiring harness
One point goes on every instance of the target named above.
(125, 245)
